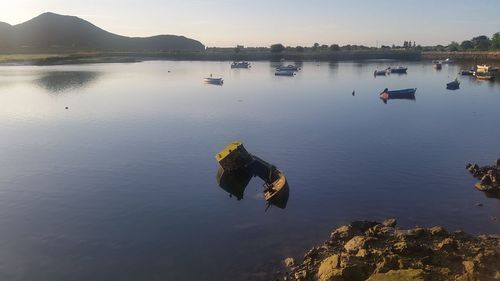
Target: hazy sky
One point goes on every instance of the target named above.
(291, 22)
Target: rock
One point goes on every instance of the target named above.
(399, 275)
(362, 253)
(354, 244)
(497, 163)
(388, 263)
(363, 226)
(438, 230)
(389, 222)
(417, 232)
(329, 269)
(447, 244)
(470, 271)
(385, 253)
(289, 262)
(301, 275)
(342, 232)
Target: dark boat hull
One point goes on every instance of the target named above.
(399, 94)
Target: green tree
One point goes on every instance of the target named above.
(299, 49)
(495, 41)
(277, 48)
(335, 47)
(481, 42)
(466, 45)
(453, 47)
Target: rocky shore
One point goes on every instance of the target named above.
(489, 178)
(366, 250)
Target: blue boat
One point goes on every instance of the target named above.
(399, 69)
(398, 94)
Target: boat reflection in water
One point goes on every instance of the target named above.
(238, 167)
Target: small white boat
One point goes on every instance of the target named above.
(214, 80)
(380, 72)
(447, 61)
(284, 73)
(288, 67)
(240, 64)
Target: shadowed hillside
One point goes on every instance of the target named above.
(53, 32)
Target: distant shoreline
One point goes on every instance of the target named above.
(126, 57)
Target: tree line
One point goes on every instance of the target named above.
(478, 43)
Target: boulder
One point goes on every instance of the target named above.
(399, 275)
(438, 230)
(289, 262)
(389, 222)
(329, 269)
(355, 243)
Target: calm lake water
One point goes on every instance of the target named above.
(122, 185)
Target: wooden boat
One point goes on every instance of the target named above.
(289, 67)
(240, 64)
(237, 167)
(380, 72)
(398, 69)
(276, 185)
(284, 73)
(485, 76)
(455, 84)
(398, 94)
(212, 80)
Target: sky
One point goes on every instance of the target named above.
(226, 23)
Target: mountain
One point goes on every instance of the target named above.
(51, 31)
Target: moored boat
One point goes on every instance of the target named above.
(398, 69)
(213, 80)
(398, 94)
(447, 61)
(455, 84)
(380, 72)
(437, 65)
(469, 72)
(240, 64)
(276, 187)
(486, 68)
(485, 76)
(290, 67)
(284, 73)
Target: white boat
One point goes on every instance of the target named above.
(486, 68)
(290, 67)
(447, 61)
(279, 72)
(214, 80)
(380, 72)
(240, 64)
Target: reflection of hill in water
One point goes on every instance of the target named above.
(57, 82)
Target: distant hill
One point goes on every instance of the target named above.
(53, 32)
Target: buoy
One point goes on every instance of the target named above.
(353, 92)
(67, 107)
